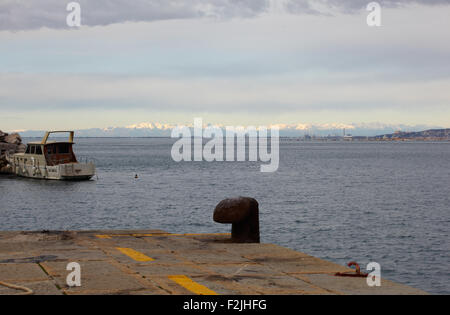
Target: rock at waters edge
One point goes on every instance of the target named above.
(9, 143)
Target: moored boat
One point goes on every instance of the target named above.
(51, 160)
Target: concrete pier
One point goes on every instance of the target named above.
(156, 262)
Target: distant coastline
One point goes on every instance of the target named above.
(426, 135)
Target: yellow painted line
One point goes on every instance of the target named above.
(134, 254)
(191, 285)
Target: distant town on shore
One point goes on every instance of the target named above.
(426, 135)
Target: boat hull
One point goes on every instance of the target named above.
(70, 171)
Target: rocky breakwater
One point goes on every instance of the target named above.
(9, 144)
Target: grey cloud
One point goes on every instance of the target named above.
(353, 5)
(32, 14)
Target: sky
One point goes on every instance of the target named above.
(230, 62)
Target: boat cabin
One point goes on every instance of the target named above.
(55, 152)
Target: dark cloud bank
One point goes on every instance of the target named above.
(33, 14)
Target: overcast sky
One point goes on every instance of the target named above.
(228, 61)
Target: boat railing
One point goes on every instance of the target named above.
(59, 160)
(86, 159)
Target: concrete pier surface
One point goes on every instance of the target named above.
(155, 262)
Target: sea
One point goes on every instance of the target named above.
(384, 202)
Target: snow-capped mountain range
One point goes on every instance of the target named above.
(156, 129)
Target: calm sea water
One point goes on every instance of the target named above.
(341, 201)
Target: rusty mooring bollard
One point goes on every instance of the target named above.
(243, 214)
